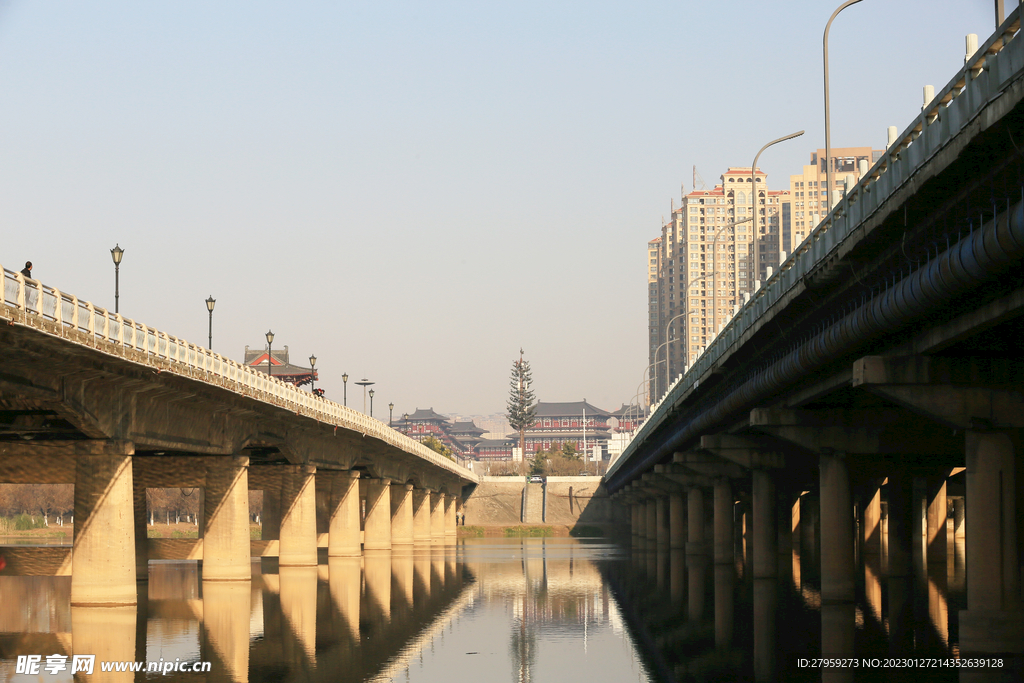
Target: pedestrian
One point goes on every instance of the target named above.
(463, 519)
(27, 270)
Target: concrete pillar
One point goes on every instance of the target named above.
(765, 532)
(270, 518)
(450, 527)
(958, 518)
(837, 570)
(784, 522)
(936, 524)
(377, 525)
(298, 516)
(401, 514)
(226, 548)
(993, 620)
(873, 520)
(695, 530)
(142, 532)
(343, 536)
(436, 517)
(724, 540)
(696, 571)
(651, 526)
(919, 522)
(420, 516)
(661, 521)
(103, 555)
(677, 575)
(725, 579)
(636, 515)
(900, 494)
(676, 521)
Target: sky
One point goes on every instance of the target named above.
(413, 191)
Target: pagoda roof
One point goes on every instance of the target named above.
(497, 443)
(568, 409)
(465, 428)
(425, 414)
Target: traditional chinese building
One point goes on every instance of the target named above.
(573, 422)
(279, 366)
(461, 436)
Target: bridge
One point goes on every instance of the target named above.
(90, 398)
(877, 370)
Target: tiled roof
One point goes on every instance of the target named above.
(568, 409)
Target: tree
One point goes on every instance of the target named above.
(521, 408)
(434, 444)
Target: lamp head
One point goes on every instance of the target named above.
(371, 393)
(344, 378)
(210, 301)
(312, 361)
(391, 406)
(116, 253)
(270, 337)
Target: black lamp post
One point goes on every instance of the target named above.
(270, 341)
(116, 253)
(371, 402)
(405, 419)
(364, 383)
(391, 413)
(344, 382)
(312, 366)
(210, 301)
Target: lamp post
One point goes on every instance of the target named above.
(270, 341)
(344, 386)
(391, 413)
(364, 383)
(210, 301)
(371, 402)
(116, 253)
(828, 129)
(405, 419)
(312, 366)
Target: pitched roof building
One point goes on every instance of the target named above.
(279, 366)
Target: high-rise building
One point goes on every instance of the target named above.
(809, 189)
(717, 247)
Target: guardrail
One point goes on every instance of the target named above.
(984, 75)
(47, 308)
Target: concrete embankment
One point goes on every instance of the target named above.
(511, 501)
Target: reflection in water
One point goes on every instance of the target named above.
(513, 610)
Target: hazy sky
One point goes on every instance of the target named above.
(415, 190)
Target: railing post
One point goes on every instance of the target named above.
(20, 279)
(58, 308)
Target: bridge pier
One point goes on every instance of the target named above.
(226, 547)
(695, 518)
(343, 535)
(837, 568)
(298, 516)
(401, 514)
(724, 534)
(436, 517)
(103, 554)
(661, 522)
(420, 516)
(765, 532)
(676, 521)
(377, 524)
(450, 524)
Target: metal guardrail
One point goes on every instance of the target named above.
(984, 75)
(50, 310)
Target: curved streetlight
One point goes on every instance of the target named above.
(312, 381)
(210, 301)
(828, 129)
(344, 383)
(391, 413)
(270, 341)
(116, 253)
(371, 402)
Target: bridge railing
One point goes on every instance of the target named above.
(49, 309)
(984, 75)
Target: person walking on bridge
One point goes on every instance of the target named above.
(27, 270)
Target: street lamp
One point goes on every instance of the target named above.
(210, 301)
(364, 383)
(116, 253)
(371, 402)
(270, 341)
(828, 129)
(405, 419)
(312, 366)
(344, 385)
(391, 413)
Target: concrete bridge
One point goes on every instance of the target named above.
(106, 403)
(879, 363)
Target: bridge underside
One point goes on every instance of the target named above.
(890, 377)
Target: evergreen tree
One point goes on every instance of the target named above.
(521, 408)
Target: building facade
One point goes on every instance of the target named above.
(279, 366)
(809, 189)
(719, 245)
